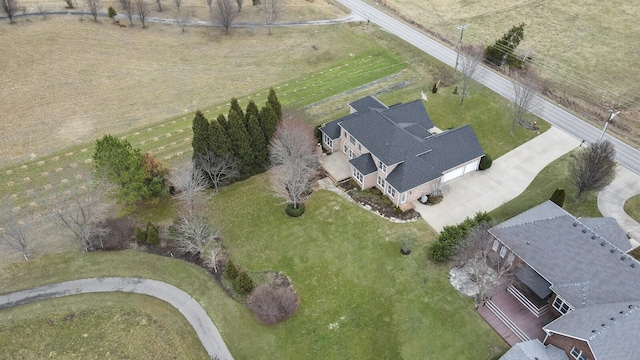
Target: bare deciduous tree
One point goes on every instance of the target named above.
(272, 305)
(593, 168)
(469, 62)
(209, 2)
(159, 3)
(79, 211)
(271, 9)
(190, 187)
(177, 3)
(10, 7)
(127, 7)
(485, 265)
(224, 12)
(42, 9)
(525, 87)
(182, 18)
(94, 8)
(143, 10)
(194, 234)
(294, 161)
(239, 3)
(70, 3)
(13, 232)
(219, 169)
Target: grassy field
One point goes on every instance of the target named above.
(359, 297)
(554, 176)
(574, 45)
(101, 326)
(632, 207)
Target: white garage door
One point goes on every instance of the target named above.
(472, 167)
(453, 174)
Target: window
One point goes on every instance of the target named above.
(381, 182)
(351, 154)
(327, 140)
(503, 251)
(391, 191)
(383, 167)
(510, 258)
(577, 354)
(344, 148)
(496, 245)
(359, 147)
(403, 198)
(352, 140)
(358, 175)
(344, 134)
(561, 305)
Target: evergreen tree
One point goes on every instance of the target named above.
(230, 270)
(220, 142)
(240, 144)
(503, 49)
(258, 145)
(235, 106)
(244, 283)
(201, 134)
(275, 104)
(558, 197)
(223, 122)
(153, 235)
(252, 110)
(268, 122)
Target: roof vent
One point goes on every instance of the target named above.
(584, 231)
(633, 265)
(623, 258)
(603, 324)
(621, 312)
(612, 250)
(575, 224)
(603, 243)
(612, 319)
(593, 237)
(593, 331)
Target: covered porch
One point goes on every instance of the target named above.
(336, 165)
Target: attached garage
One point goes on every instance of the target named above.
(473, 166)
(453, 174)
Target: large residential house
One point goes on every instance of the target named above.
(398, 150)
(576, 271)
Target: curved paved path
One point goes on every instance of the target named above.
(195, 314)
(612, 198)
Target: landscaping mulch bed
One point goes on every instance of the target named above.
(377, 201)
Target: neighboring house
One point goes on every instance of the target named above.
(398, 150)
(577, 269)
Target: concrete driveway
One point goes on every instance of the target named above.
(192, 311)
(507, 178)
(612, 198)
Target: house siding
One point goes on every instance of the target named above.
(424, 189)
(567, 343)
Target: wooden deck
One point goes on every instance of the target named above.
(527, 325)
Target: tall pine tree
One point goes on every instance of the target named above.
(275, 104)
(223, 122)
(268, 121)
(235, 106)
(252, 110)
(240, 144)
(201, 134)
(220, 142)
(258, 145)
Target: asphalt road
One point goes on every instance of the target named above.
(192, 311)
(574, 126)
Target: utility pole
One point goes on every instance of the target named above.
(455, 68)
(612, 114)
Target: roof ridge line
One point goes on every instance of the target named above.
(614, 321)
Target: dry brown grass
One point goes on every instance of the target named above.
(67, 82)
(589, 50)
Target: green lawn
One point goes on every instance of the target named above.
(360, 298)
(553, 176)
(111, 325)
(632, 207)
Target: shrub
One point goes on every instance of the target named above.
(230, 270)
(272, 305)
(482, 217)
(434, 199)
(485, 162)
(439, 251)
(244, 283)
(452, 235)
(111, 12)
(434, 88)
(153, 235)
(293, 212)
(558, 197)
(141, 235)
(398, 211)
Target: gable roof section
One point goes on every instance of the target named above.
(534, 350)
(583, 267)
(411, 173)
(364, 163)
(367, 103)
(410, 113)
(452, 148)
(610, 329)
(332, 129)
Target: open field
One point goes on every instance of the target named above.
(589, 51)
(110, 325)
(632, 207)
(554, 176)
(360, 298)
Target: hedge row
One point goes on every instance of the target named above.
(450, 236)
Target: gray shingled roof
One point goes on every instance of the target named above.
(412, 113)
(364, 163)
(333, 128)
(534, 350)
(610, 329)
(583, 267)
(366, 104)
(452, 148)
(609, 229)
